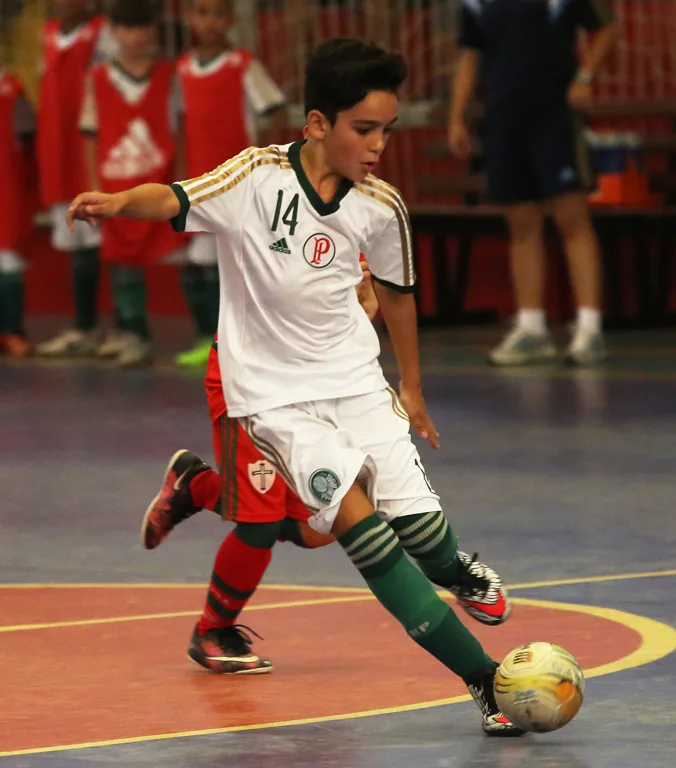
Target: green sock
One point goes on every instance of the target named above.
(212, 297)
(194, 288)
(86, 287)
(11, 303)
(402, 590)
(131, 301)
(429, 539)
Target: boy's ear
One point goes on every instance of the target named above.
(317, 125)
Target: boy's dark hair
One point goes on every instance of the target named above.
(342, 71)
(134, 13)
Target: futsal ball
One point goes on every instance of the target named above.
(539, 687)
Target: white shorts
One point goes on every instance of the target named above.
(84, 236)
(202, 251)
(175, 258)
(320, 448)
(11, 262)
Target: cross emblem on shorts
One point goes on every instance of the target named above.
(260, 474)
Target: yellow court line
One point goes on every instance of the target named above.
(307, 588)
(168, 585)
(657, 640)
(178, 614)
(592, 579)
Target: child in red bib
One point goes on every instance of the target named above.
(130, 116)
(73, 41)
(16, 125)
(225, 92)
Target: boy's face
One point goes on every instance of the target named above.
(210, 20)
(135, 42)
(355, 142)
(68, 9)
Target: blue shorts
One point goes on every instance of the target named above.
(535, 154)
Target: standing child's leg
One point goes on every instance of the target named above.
(12, 331)
(199, 280)
(131, 305)
(82, 245)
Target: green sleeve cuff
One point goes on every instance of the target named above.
(394, 286)
(179, 221)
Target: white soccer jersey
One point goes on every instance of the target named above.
(290, 328)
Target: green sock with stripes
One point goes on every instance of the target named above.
(406, 593)
(429, 539)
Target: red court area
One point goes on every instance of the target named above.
(131, 678)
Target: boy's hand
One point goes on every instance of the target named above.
(460, 140)
(366, 294)
(93, 207)
(414, 405)
(580, 95)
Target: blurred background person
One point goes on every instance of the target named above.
(536, 161)
(74, 40)
(226, 91)
(17, 126)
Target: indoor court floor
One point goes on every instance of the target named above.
(563, 480)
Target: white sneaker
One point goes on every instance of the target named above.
(522, 348)
(70, 343)
(134, 353)
(586, 348)
(112, 345)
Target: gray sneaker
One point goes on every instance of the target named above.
(70, 343)
(111, 346)
(134, 352)
(522, 348)
(586, 348)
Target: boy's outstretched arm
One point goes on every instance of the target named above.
(153, 202)
(398, 311)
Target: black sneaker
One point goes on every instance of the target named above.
(495, 723)
(227, 651)
(173, 503)
(480, 591)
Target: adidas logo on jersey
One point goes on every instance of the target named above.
(280, 246)
(136, 153)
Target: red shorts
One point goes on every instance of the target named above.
(252, 491)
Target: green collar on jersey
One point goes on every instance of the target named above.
(322, 208)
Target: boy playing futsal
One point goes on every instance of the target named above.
(299, 359)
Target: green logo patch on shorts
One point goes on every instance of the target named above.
(323, 484)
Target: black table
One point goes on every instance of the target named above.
(651, 234)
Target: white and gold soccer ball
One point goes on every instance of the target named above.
(540, 687)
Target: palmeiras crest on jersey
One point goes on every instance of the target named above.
(319, 250)
(323, 484)
(262, 475)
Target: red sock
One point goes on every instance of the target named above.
(205, 490)
(238, 570)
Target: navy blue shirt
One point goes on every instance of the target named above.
(528, 46)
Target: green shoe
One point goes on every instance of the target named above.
(197, 357)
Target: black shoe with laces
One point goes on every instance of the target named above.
(227, 651)
(173, 503)
(480, 591)
(495, 723)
